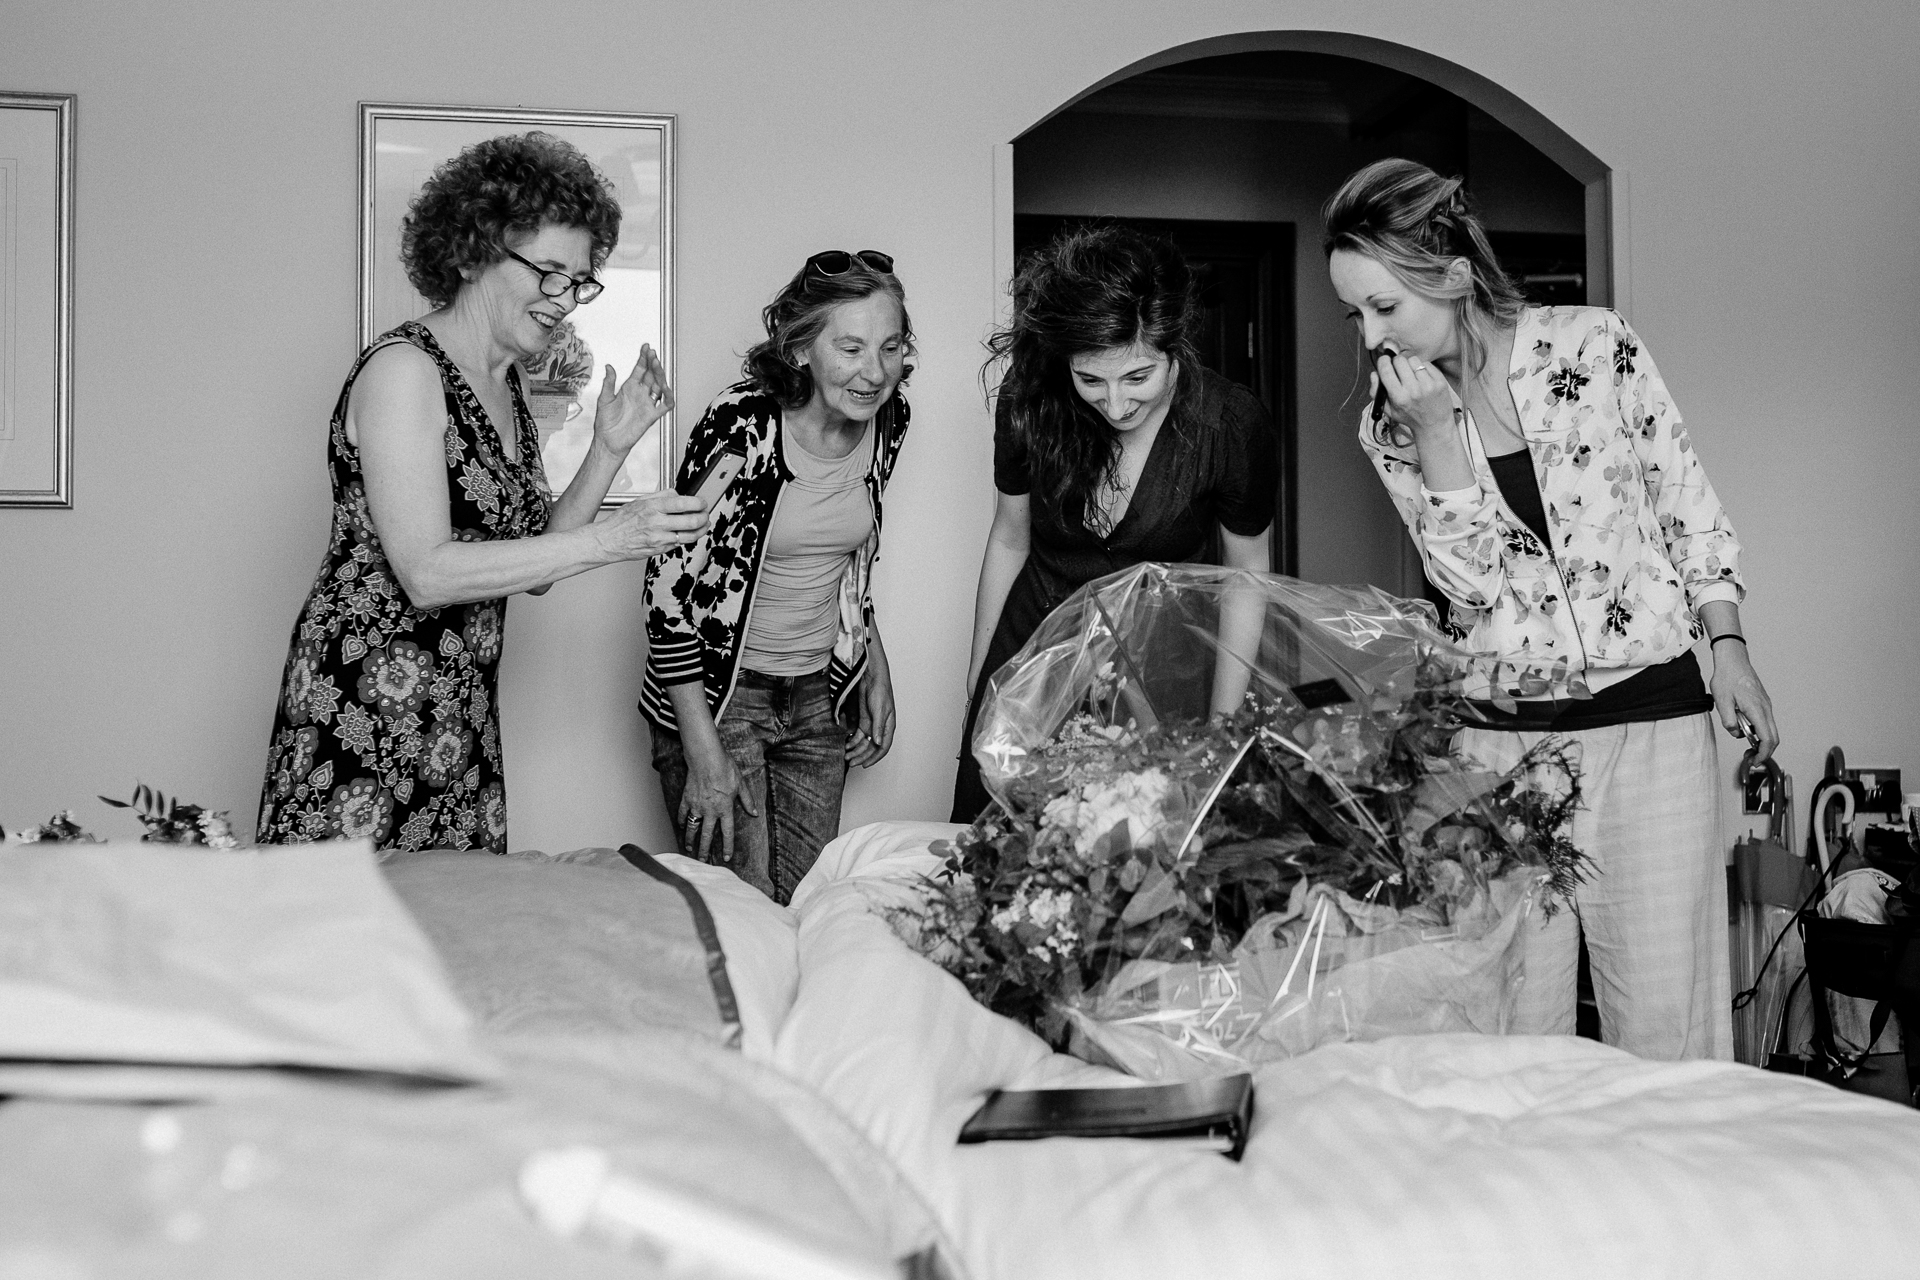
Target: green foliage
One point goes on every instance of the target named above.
(1125, 845)
(172, 822)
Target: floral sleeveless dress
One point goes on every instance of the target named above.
(388, 725)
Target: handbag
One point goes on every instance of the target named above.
(1877, 962)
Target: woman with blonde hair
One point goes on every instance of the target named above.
(1543, 473)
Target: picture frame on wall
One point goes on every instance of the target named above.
(36, 299)
(400, 147)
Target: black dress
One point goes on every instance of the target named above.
(1213, 462)
(388, 725)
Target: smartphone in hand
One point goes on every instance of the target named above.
(713, 481)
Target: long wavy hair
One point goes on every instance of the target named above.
(1417, 224)
(1093, 288)
(796, 317)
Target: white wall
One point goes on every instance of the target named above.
(1774, 261)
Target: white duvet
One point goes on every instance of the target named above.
(1438, 1156)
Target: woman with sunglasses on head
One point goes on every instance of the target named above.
(388, 724)
(1112, 446)
(1541, 469)
(761, 637)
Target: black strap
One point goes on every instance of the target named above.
(1744, 998)
(709, 937)
(1841, 1064)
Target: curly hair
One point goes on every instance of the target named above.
(505, 187)
(798, 314)
(1417, 224)
(1093, 288)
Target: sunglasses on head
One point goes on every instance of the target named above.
(837, 262)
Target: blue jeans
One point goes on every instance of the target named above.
(792, 754)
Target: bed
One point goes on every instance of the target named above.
(1437, 1156)
(342, 1068)
(298, 1064)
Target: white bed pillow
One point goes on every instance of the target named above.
(167, 954)
(591, 942)
(761, 939)
(888, 850)
(891, 1039)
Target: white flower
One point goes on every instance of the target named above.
(1138, 799)
(1047, 909)
(217, 831)
(1062, 812)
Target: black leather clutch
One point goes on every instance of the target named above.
(1217, 1113)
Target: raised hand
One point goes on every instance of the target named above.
(650, 524)
(623, 416)
(1417, 393)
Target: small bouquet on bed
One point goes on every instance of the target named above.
(167, 821)
(1181, 896)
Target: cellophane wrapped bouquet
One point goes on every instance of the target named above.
(1181, 894)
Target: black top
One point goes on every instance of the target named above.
(1513, 472)
(1214, 461)
(1665, 691)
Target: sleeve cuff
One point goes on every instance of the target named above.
(1452, 497)
(1731, 592)
(676, 661)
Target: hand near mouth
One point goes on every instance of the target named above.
(623, 417)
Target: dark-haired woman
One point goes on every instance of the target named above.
(1542, 471)
(388, 724)
(761, 636)
(1112, 446)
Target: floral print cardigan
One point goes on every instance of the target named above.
(1639, 540)
(699, 596)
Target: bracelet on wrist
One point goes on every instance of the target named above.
(1730, 635)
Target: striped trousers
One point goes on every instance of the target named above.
(1654, 905)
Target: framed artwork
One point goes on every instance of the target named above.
(36, 299)
(401, 146)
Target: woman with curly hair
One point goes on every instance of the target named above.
(1542, 471)
(761, 636)
(388, 724)
(1112, 446)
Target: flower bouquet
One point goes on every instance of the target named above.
(1180, 895)
(167, 821)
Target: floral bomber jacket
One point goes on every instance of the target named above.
(698, 596)
(1639, 540)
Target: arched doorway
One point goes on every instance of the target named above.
(1230, 145)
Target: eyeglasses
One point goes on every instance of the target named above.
(555, 284)
(837, 262)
